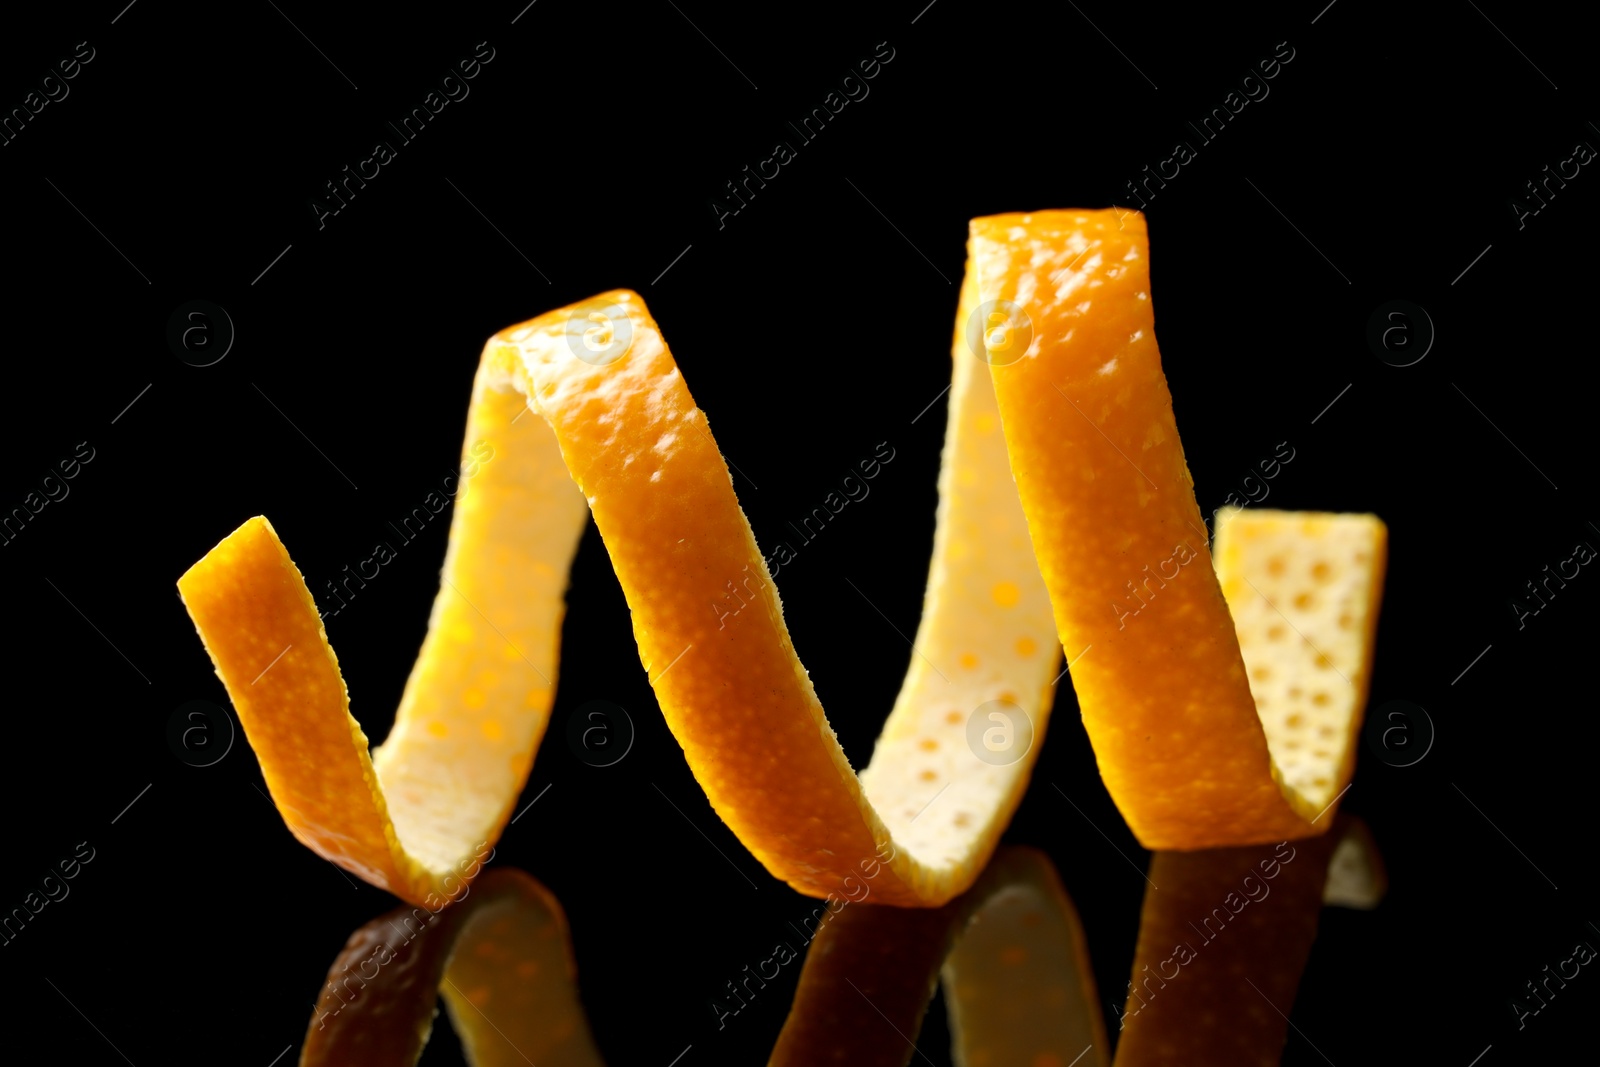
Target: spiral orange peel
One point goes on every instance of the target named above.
(1223, 704)
(1168, 705)
(733, 692)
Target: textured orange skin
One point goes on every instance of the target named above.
(250, 602)
(1165, 697)
(738, 701)
(736, 697)
(1165, 701)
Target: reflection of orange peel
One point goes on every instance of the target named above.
(1017, 978)
(502, 961)
(1196, 752)
(1017, 981)
(1356, 876)
(1183, 753)
(1016, 974)
(1223, 942)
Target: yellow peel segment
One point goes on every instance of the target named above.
(1303, 589)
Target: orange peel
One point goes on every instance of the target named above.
(618, 417)
(1189, 756)
(1223, 704)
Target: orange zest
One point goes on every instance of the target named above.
(618, 420)
(1212, 698)
(1223, 704)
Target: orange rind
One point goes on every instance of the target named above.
(1223, 704)
(1063, 484)
(616, 418)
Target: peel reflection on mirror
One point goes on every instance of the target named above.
(502, 960)
(1012, 957)
(1011, 952)
(1223, 939)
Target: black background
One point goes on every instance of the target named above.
(811, 326)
